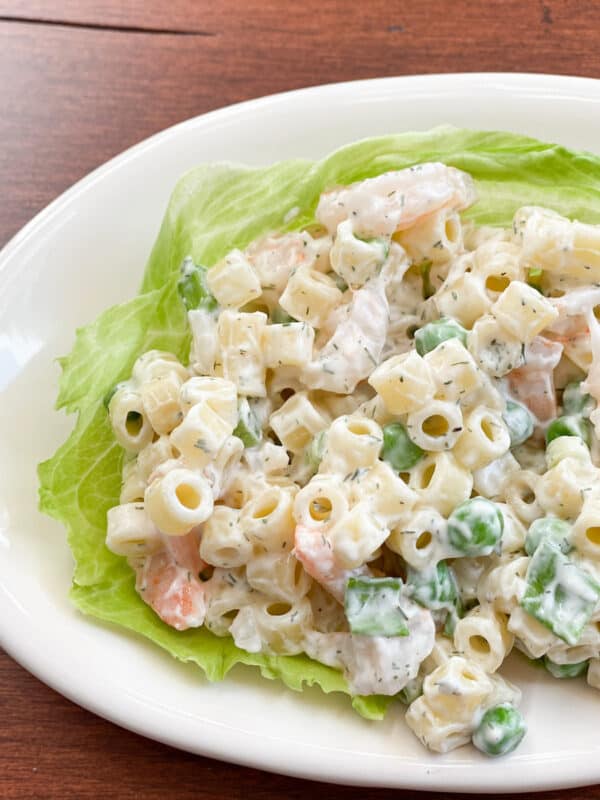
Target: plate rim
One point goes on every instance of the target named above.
(440, 774)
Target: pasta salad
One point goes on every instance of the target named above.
(381, 452)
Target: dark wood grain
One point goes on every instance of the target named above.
(50, 749)
(71, 97)
(80, 81)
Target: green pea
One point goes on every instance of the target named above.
(551, 528)
(248, 428)
(372, 607)
(565, 670)
(475, 527)
(313, 452)
(569, 425)
(193, 288)
(500, 731)
(575, 401)
(429, 336)
(519, 421)
(399, 450)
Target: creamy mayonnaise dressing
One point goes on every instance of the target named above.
(316, 471)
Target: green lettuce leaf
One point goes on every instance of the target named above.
(213, 209)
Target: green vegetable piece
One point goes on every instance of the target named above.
(569, 425)
(558, 593)
(534, 278)
(248, 428)
(372, 607)
(500, 731)
(280, 317)
(575, 401)
(193, 289)
(399, 450)
(565, 670)
(552, 528)
(381, 243)
(452, 617)
(475, 527)
(519, 421)
(429, 336)
(313, 452)
(411, 691)
(434, 587)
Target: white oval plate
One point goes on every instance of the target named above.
(87, 251)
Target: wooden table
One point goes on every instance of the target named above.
(82, 80)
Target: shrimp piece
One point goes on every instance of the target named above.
(275, 257)
(168, 581)
(568, 329)
(572, 328)
(533, 383)
(356, 345)
(377, 664)
(572, 308)
(396, 200)
(314, 551)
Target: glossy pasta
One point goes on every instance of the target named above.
(383, 452)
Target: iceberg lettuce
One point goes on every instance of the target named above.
(213, 209)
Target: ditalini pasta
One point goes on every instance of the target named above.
(382, 453)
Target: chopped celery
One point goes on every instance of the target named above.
(565, 670)
(435, 588)
(411, 691)
(575, 401)
(314, 451)
(559, 594)
(372, 607)
(193, 289)
(552, 528)
(569, 425)
(248, 428)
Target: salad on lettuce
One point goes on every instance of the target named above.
(347, 431)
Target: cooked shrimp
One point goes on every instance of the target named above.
(396, 200)
(533, 383)
(168, 581)
(275, 257)
(314, 551)
(572, 308)
(377, 664)
(355, 347)
(572, 328)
